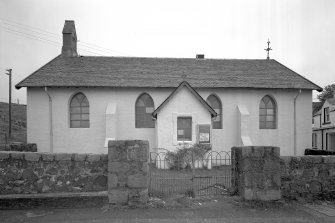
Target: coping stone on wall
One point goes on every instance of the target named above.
(63, 156)
(311, 159)
(329, 159)
(93, 157)
(79, 157)
(17, 155)
(48, 156)
(4, 155)
(286, 159)
(32, 156)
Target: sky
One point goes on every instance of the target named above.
(302, 33)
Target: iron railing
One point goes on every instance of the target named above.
(190, 173)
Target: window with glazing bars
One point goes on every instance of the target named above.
(267, 113)
(326, 115)
(184, 128)
(215, 103)
(143, 109)
(79, 111)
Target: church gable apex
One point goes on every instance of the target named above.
(193, 92)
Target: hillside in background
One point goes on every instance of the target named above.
(19, 122)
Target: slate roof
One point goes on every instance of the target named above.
(89, 71)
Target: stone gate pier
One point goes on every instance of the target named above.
(256, 172)
(128, 168)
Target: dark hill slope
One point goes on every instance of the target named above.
(19, 122)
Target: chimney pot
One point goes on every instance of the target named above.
(200, 56)
(69, 48)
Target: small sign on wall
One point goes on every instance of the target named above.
(204, 133)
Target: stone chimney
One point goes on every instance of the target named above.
(69, 48)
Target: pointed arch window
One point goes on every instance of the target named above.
(215, 103)
(79, 111)
(143, 109)
(267, 113)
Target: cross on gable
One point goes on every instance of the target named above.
(268, 50)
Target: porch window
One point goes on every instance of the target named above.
(184, 128)
(143, 109)
(79, 111)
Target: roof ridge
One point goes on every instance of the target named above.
(187, 58)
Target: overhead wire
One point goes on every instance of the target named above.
(91, 46)
(29, 27)
(34, 37)
(48, 38)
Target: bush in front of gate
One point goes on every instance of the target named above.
(188, 155)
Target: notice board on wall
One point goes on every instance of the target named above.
(204, 133)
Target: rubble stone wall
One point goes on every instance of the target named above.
(308, 177)
(32, 172)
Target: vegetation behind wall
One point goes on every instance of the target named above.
(19, 123)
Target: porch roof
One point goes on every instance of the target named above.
(194, 92)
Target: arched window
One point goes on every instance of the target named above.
(143, 109)
(267, 113)
(215, 103)
(79, 111)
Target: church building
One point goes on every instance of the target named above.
(76, 104)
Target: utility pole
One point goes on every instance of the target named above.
(10, 104)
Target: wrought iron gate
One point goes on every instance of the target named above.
(190, 174)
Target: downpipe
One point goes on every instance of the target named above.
(50, 120)
(295, 121)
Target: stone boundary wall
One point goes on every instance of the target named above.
(308, 177)
(32, 172)
(256, 172)
(22, 147)
(128, 168)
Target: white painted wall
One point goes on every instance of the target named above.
(182, 104)
(85, 140)
(282, 136)
(92, 139)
